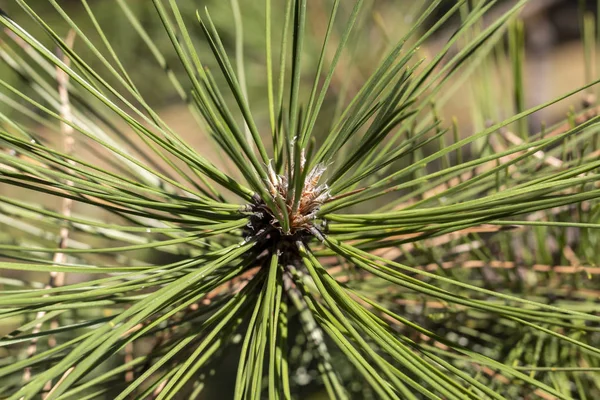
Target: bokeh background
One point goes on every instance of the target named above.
(555, 60)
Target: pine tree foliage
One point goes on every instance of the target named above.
(332, 237)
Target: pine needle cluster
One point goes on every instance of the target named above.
(332, 236)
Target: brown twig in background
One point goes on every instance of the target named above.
(562, 269)
(392, 253)
(540, 155)
(62, 378)
(159, 388)
(578, 120)
(128, 358)
(511, 137)
(57, 279)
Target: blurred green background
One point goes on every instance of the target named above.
(554, 59)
